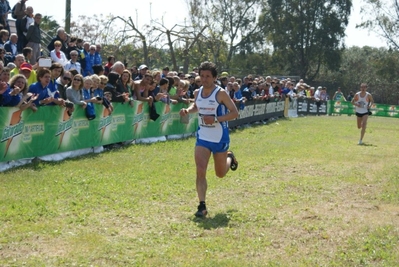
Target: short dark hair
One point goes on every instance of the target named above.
(163, 81)
(171, 81)
(208, 66)
(41, 72)
(26, 51)
(110, 58)
(97, 69)
(56, 65)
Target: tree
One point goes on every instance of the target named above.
(306, 34)
(232, 26)
(130, 32)
(383, 18)
(378, 67)
(49, 25)
(186, 36)
(92, 29)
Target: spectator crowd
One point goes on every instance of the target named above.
(75, 76)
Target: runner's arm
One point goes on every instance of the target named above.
(224, 98)
(192, 108)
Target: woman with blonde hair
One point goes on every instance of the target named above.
(156, 76)
(19, 82)
(57, 56)
(124, 84)
(74, 92)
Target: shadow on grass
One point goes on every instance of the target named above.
(38, 164)
(364, 144)
(218, 221)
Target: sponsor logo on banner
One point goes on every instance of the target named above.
(15, 127)
(302, 106)
(118, 119)
(191, 120)
(104, 121)
(337, 106)
(138, 118)
(260, 109)
(63, 126)
(164, 118)
(248, 111)
(392, 111)
(270, 107)
(280, 106)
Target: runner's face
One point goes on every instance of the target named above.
(363, 88)
(207, 79)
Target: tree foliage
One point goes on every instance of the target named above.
(306, 34)
(232, 27)
(49, 25)
(378, 67)
(180, 40)
(92, 29)
(383, 18)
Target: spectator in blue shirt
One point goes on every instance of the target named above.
(42, 90)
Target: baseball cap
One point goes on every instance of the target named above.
(224, 73)
(25, 66)
(143, 67)
(319, 87)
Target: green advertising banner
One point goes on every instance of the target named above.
(344, 107)
(26, 134)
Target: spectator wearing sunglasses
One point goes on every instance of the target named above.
(57, 55)
(62, 83)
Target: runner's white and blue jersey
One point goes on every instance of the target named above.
(209, 106)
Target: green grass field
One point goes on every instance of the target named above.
(305, 194)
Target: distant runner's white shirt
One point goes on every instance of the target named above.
(363, 102)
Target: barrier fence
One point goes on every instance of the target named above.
(345, 107)
(50, 130)
(311, 107)
(27, 134)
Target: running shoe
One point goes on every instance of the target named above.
(234, 162)
(202, 212)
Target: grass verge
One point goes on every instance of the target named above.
(305, 194)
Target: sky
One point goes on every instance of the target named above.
(173, 13)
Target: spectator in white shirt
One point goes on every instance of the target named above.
(317, 93)
(73, 62)
(299, 83)
(57, 56)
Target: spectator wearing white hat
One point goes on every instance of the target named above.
(142, 71)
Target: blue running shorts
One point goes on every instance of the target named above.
(213, 147)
